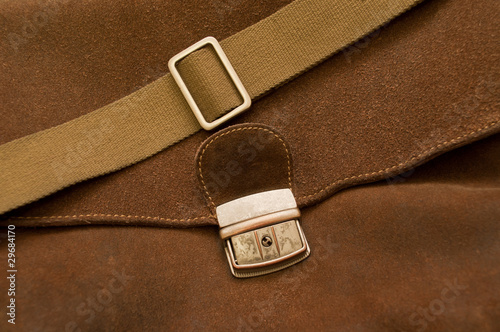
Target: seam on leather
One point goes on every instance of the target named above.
(235, 130)
(112, 215)
(402, 165)
(302, 197)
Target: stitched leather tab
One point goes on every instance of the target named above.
(242, 160)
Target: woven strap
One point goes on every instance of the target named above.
(264, 55)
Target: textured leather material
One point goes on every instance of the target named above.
(265, 55)
(418, 252)
(242, 160)
(420, 86)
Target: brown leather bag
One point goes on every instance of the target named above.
(399, 199)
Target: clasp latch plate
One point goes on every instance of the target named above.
(262, 233)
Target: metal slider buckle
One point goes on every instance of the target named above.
(262, 233)
(247, 101)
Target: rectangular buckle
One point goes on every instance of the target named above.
(262, 233)
(229, 68)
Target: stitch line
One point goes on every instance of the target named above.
(112, 215)
(235, 130)
(403, 164)
(305, 196)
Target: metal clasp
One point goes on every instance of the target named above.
(247, 101)
(262, 233)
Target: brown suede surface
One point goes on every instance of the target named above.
(424, 84)
(418, 252)
(242, 160)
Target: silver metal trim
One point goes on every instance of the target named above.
(258, 222)
(253, 213)
(255, 205)
(253, 270)
(269, 262)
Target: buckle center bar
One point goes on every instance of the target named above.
(229, 68)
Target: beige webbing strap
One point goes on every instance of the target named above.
(157, 116)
